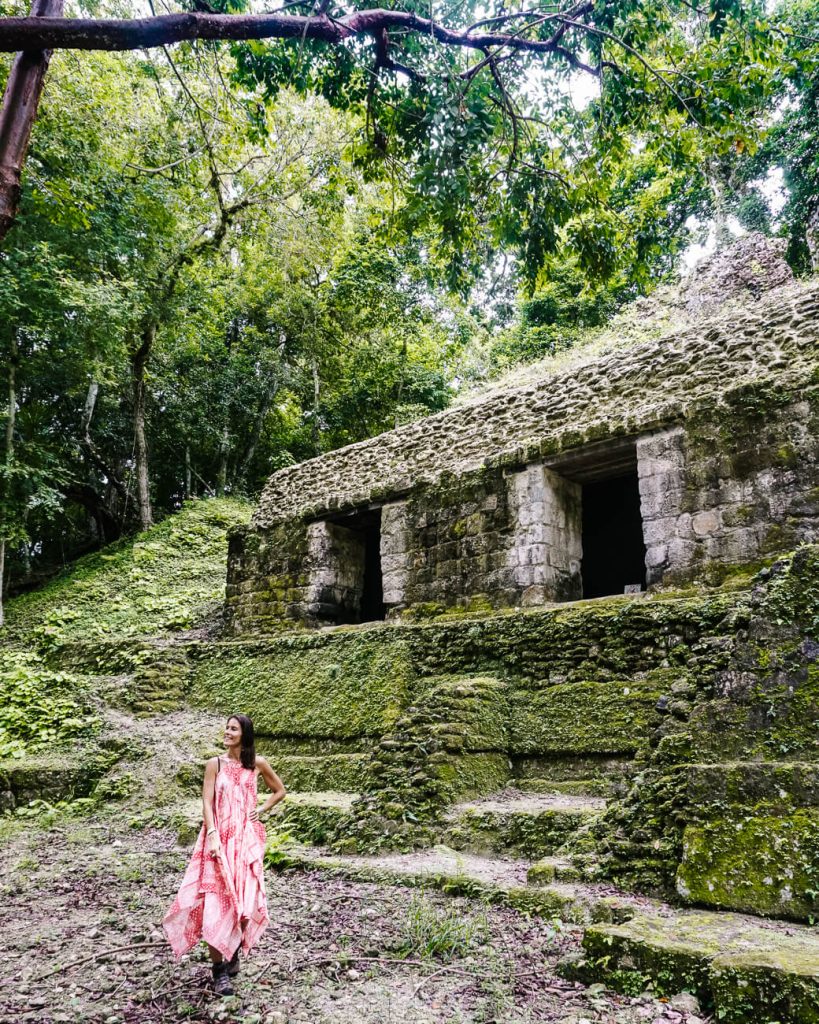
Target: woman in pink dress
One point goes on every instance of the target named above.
(222, 896)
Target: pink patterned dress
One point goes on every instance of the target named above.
(222, 899)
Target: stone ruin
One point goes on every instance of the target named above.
(470, 716)
(681, 455)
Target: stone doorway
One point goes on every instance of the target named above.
(344, 565)
(610, 522)
(614, 553)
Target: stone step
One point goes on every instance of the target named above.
(527, 824)
(783, 784)
(553, 869)
(761, 863)
(613, 771)
(320, 773)
(51, 777)
(494, 879)
(571, 787)
(743, 970)
(312, 817)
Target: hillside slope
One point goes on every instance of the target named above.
(168, 578)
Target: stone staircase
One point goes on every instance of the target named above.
(560, 762)
(519, 823)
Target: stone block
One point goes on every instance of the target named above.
(705, 523)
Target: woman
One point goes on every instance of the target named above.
(222, 897)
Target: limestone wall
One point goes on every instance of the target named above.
(626, 392)
(733, 485)
(727, 486)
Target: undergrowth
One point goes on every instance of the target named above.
(445, 932)
(40, 708)
(167, 578)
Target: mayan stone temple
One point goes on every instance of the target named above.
(691, 451)
(558, 645)
(555, 648)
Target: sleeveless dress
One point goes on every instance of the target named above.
(220, 894)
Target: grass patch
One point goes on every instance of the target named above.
(167, 578)
(430, 931)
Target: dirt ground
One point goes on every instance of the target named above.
(82, 901)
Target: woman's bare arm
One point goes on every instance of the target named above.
(212, 842)
(274, 784)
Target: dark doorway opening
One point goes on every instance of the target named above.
(614, 554)
(364, 600)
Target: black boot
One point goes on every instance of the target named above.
(233, 964)
(221, 981)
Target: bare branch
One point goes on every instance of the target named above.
(143, 33)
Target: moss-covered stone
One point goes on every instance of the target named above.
(552, 869)
(765, 865)
(312, 817)
(576, 718)
(772, 988)
(535, 833)
(741, 971)
(169, 578)
(51, 777)
(783, 785)
(342, 685)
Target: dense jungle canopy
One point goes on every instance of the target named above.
(251, 236)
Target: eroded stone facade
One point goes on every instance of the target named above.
(485, 505)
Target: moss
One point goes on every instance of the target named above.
(774, 989)
(340, 686)
(781, 786)
(732, 965)
(165, 579)
(312, 817)
(765, 865)
(600, 718)
(473, 775)
(528, 834)
(52, 777)
(739, 970)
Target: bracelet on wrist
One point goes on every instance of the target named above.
(210, 831)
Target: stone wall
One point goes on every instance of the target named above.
(732, 484)
(546, 546)
(267, 578)
(335, 570)
(490, 539)
(736, 484)
(773, 341)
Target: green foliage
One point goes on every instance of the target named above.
(166, 579)
(793, 594)
(40, 708)
(429, 930)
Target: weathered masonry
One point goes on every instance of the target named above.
(672, 458)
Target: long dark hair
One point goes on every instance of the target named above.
(248, 754)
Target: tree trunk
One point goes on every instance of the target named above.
(224, 455)
(188, 471)
(256, 432)
(17, 115)
(139, 360)
(316, 399)
(9, 455)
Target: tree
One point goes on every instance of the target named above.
(450, 98)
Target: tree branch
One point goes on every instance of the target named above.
(141, 33)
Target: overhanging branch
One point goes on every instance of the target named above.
(141, 33)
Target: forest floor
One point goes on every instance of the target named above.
(83, 898)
